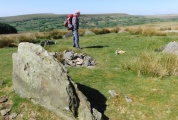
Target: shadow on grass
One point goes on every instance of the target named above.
(96, 99)
(97, 46)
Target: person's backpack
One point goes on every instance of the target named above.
(68, 21)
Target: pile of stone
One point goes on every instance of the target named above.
(77, 59)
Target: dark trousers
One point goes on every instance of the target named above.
(75, 39)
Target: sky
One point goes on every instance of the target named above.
(131, 7)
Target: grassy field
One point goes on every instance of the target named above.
(154, 97)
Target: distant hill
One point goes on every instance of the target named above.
(27, 17)
(47, 15)
(163, 16)
(48, 22)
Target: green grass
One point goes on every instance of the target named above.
(153, 98)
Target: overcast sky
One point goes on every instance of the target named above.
(132, 7)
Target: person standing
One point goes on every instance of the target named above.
(75, 24)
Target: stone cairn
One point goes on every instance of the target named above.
(72, 59)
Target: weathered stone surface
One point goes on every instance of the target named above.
(3, 99)
(4, 111)
(97, 114)
(39, 76)
(112, 93)
(171, 48)
(13, 116)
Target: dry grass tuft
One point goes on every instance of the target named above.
(81, 32)
(152, 64)
(146, 31)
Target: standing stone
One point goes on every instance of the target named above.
(40, 77)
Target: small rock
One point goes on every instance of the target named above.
(97, 115)
(127, 98)
(66, 108)
(119, 52)
(112, 92)
(116, 52)
(7, 106)
(3, 99)
(79, 61)
(47, 42)
(4, 112)
(13, 115)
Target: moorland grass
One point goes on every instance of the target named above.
(153, 98)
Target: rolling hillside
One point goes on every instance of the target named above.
(48, 22)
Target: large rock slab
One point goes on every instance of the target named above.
(171, 47)
(40, 77)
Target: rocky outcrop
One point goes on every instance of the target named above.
(40, 77)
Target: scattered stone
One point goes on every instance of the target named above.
(119, 52)
(77, 59)
(47, 42)
(127, 98)
(13, 116)
(112, 93)
(3, 99)
(7, 106)
(68, 55)
(5, 111)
